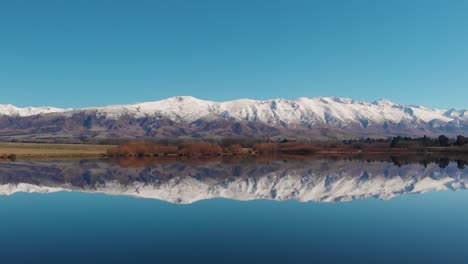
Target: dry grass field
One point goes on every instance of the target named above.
(39, 150)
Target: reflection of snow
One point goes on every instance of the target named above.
(321, 181)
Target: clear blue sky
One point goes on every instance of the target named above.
(100, 52)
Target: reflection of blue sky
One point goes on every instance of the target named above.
(427, 228)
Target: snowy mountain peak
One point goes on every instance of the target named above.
(337, 100)
(384, 102)
(454, 113)
(11, 110)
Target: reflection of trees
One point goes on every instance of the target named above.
(461, 164)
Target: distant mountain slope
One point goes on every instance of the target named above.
(321, 117)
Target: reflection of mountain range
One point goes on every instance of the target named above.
(315, 180)
(321, 117)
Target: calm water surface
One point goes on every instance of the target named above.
(322, 211)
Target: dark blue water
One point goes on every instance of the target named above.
(88, 228)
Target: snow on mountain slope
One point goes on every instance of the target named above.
(11, 110)
(456, 114)
(339, 112)
(8, 189)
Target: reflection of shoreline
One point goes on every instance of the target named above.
(320, 180)
(396, 159)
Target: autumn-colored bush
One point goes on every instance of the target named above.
(285, 148)
(5, 156)
(191, 148)
(234, 149)
(266, 147)
(200, 148)
(134, 148)
(163, 149)
(297, 148)
(144, 148)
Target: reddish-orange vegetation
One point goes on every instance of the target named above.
(202, 148)
(146, 154)
(145, 148)
(398, 158)
(142, 148)
(286, 148)
(189, 148)
(5, 156)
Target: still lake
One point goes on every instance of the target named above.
(316, 211)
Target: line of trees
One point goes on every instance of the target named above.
(188, 148)
(243, 146)
(408, 142)
(367, 140)
(225, 147)
(441, 141)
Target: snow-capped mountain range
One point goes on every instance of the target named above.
(298, 111)
(315, 180)
(189, 116)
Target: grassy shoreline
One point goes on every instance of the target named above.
(40, 150)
